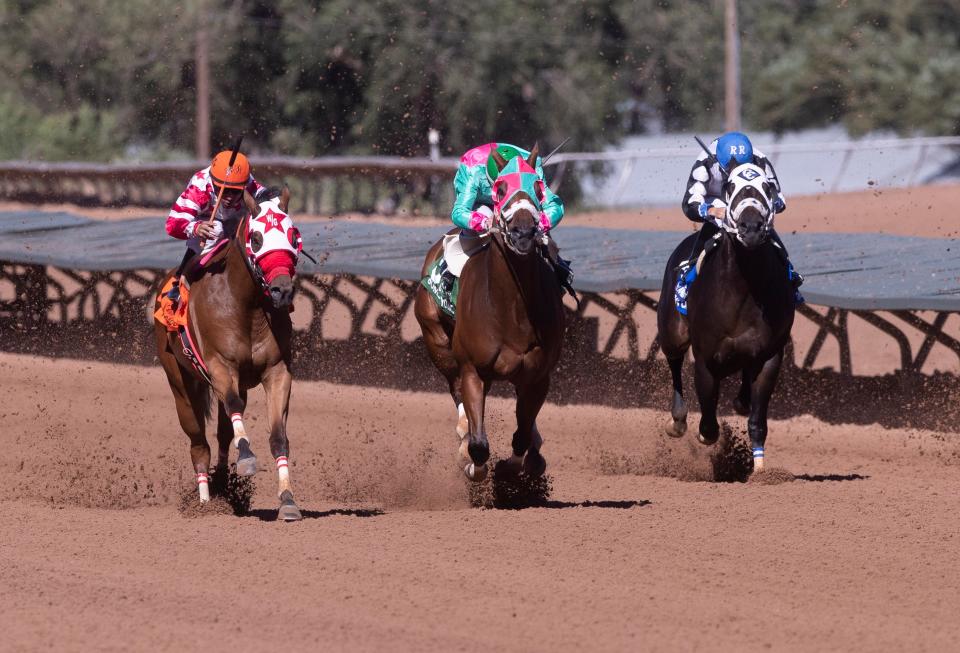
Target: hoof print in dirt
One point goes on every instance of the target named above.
(230, 494)
(506, 489)
(772, 476)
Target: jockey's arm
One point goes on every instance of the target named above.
(696, 202)
(552, 205)
(780, 204)
(467, 184)
(254, 186)
(184, 214)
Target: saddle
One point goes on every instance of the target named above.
(443, 277)
(689, 269)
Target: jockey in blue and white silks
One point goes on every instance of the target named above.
(703, 200)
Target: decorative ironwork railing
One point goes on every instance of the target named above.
(361, 330)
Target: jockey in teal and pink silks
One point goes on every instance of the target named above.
(473, 184)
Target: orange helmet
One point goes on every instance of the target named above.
(224, 174)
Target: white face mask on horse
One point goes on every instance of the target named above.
(738, 198)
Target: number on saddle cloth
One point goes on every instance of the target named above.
(689, 270)
(443, 286)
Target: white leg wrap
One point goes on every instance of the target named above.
(283, 473)
(462, 424)
(203, 487)
(757, 458)
(238, 430)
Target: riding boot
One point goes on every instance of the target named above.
(705, 238)
(174, 293)
(561, 266)
(795, 277)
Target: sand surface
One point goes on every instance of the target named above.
(635, 549)
(849, 543)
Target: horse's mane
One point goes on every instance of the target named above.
(268, 193)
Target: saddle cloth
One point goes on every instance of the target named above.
(172, 317)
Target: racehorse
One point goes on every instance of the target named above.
(740, 311)
(509, 323)
(238, 336)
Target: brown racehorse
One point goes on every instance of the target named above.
(509, 326)
(239, 320)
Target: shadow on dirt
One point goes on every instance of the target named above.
(831, 478)
(270, 515)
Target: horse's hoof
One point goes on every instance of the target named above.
(534, 464)
(708, 440)
(676, 429)
(479, 452)
(475, 473)
(512, 465)
(288, 510)
(247, 466)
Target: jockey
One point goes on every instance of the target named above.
(703, 201)
(189, 217)
(473, 206)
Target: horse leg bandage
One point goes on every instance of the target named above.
(238, 431)
(758, 457)
(203, 487)
(283, 473)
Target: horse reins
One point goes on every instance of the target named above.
(516, 278)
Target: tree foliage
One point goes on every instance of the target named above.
(103, 79)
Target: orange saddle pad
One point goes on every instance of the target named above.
(170, 315)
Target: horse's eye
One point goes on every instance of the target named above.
(501, 190)
(541, 194)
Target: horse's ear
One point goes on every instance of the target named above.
(728, 188)
(250, 203)
(534, 155)
(499, 160)
(284, 198)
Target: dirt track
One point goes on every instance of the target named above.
(636, 548)
(859, 554)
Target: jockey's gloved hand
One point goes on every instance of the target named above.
(205, 230)
(544, 222)
(481, 219)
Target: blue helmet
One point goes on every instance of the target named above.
(735, 146)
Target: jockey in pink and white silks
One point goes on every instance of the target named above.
(473, 207)
(703, 200)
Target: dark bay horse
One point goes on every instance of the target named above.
(740, 312)
(239, 324)
(509, 324)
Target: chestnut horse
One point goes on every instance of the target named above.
(239, 324)
(509, 324)
(740, 311)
